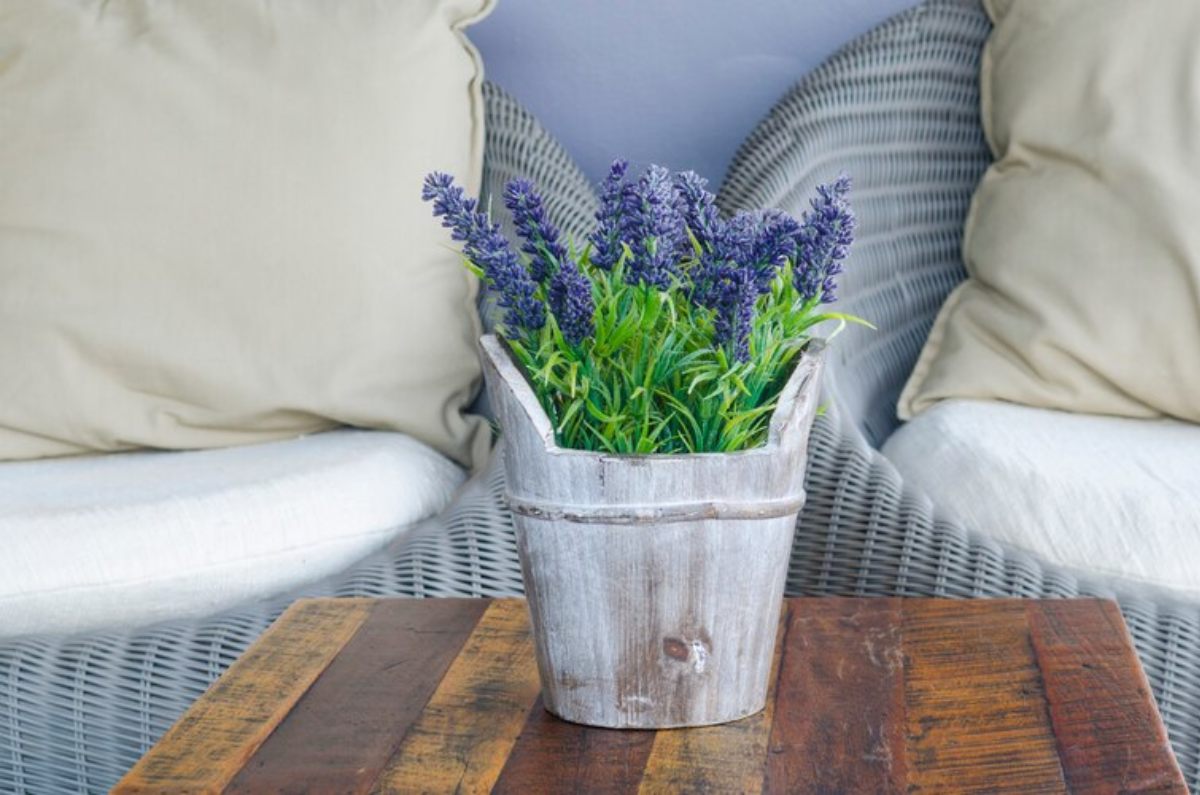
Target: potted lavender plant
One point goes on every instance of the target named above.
(655, 387)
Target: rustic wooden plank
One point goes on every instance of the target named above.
(462, 738)
(726, 758)
(839, 702)
(342, 732)
(988, 685)
(976, 714)
(553, 756)
(1110, 736)
(207, 746)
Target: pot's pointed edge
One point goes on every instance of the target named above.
(521, 394)
(799, 396)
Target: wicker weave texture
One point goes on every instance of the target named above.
(897, 109)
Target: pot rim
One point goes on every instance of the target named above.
(795, 390)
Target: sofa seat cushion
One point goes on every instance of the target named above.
(128, 539)
(1109, 495)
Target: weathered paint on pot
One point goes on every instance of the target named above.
(654, 582)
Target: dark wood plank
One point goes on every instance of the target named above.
(460, 741)
(1109, 733)
(207, 746)
(839, 703)
(553, 756)
(976, 714)
(726, 758)
(344, 729)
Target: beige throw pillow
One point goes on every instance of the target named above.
(1083, 240)
(211, 230)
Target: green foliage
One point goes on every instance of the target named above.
(651, 380)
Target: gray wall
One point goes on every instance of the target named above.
(664, 81)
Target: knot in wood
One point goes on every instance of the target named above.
(675, 649)
(687, 651)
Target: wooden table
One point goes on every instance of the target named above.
(871, 695)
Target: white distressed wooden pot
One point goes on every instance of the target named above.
(654, 582)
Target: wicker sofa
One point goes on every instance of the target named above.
(897, 108)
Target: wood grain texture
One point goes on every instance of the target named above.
(869, 695)
(341, 733)
(839, 702)
(657, 577)
(463, 737)
(554, 757)
(975, 710)
(1105, 723)
(727, 758)
(207, 746)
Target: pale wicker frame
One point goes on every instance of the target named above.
(898, 108)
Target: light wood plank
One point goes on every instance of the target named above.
(726, 758)
(976, 714)
(461, 740)
(210, 743)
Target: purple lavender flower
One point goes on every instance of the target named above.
(610, 218)
(731, 294)
(725, 281)
(545, 251)
(699, 209)
(571, 302)
(823, 241)
(773, 242)
(729, 246)
(485, 245)
(655, 228)
(760, 242)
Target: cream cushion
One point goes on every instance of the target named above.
(1103, 495)
(211, 230)
(1082, 243)
(125, 540)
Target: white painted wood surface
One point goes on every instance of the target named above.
(654, 582)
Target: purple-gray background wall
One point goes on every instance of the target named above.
(676, 82)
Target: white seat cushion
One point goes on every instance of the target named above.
(1104, 494)
(125, 540)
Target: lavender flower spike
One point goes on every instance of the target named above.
(571, 301)
(773, 242)
(545, 251)
(732, 296)
(730, 246)
(699, 209)
(823, 241)
(610, 218)
(484, 245)
(656, 228)
(726, 280)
